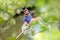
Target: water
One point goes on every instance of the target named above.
(16, 28)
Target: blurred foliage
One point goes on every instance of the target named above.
(48, 9)
(48, 36)
(12, 21)
(11, 38)
(9, 6)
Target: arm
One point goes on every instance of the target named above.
(41, 20)
(26, 23)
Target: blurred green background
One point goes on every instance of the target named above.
(11, 18)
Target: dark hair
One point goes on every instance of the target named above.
(33, 14)
(25, 10)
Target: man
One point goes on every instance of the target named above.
(27, 19)
(25, 26)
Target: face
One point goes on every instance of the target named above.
(26, 12)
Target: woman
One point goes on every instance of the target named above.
(35, 24)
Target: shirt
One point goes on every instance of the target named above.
(27, 18)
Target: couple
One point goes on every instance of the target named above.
(30, 23)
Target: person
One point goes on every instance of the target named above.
(25, 26)
(27, 17)
(35, 24)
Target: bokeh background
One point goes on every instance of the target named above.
(11, 18)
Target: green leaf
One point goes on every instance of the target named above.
(11, 11)
(55, 35)
(11, 38)
(12, 21)
(2, 18)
